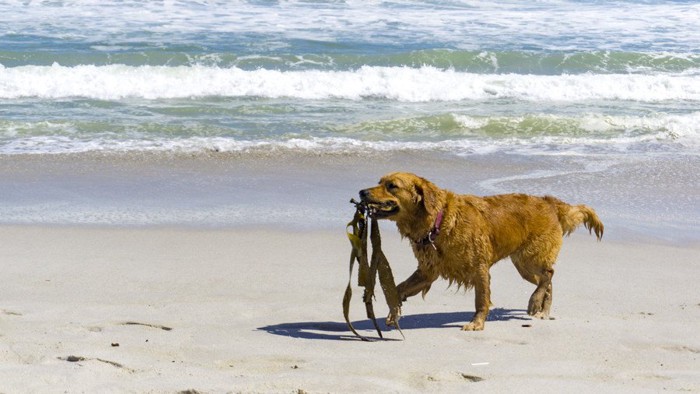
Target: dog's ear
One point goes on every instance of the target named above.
(429, 194)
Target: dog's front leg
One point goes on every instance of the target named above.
(416, 283)
(482, 294)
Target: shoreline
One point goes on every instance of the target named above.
(260, 310)
(641, 199)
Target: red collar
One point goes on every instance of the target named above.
(432, 235)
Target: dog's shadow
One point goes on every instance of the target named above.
(339, 330)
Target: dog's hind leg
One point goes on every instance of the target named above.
(535, 264)
(541, 299)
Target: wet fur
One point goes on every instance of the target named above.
(475, 233)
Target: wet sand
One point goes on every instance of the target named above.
(642, 199)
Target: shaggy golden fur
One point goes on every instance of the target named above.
(475, 233)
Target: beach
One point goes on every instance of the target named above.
(169, 310)
(644, 198)
(176, 176)
(256, 306)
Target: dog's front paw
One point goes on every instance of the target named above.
(393, 319)
(473, 326)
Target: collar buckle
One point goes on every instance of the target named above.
(432, 235)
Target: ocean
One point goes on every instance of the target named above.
(230, 113)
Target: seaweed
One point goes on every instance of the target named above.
(369, 268)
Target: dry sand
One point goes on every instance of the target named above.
(209, 310)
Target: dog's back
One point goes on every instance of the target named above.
(516, 221)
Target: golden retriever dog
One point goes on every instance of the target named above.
(459, 237)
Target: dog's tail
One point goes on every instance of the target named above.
(572, 216)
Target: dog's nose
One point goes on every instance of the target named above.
(364, 194)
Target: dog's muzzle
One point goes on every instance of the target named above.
(379, 209)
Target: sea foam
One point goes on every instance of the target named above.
(465, 134)
(114, 82)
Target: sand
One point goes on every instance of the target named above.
(653, 199)
(90, 309)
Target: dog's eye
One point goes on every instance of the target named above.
(391, 186)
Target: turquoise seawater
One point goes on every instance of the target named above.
(346, 77)
(594, 101)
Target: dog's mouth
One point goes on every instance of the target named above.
(382, 209)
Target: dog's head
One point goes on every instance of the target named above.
(402, 195)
